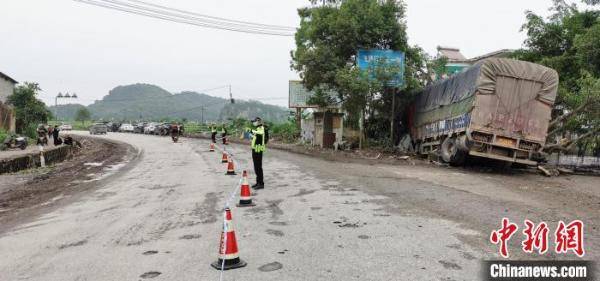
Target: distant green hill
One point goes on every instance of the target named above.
(65, 111)
(150, 102)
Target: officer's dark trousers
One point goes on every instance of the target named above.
(214, 137)
(258, 170)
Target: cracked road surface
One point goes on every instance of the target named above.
(316, 220)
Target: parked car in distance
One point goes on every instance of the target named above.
(126, 128)
(98, 128)
(164, 129)
(138, 128)
(150, 129)
(65, 127)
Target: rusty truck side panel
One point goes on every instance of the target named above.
(501, 107)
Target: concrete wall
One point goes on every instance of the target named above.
(6, 89)
(7, 116)
(32, 160)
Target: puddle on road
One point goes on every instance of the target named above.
(271, 267)
(275, 232)
(190, 236)
(150, 274)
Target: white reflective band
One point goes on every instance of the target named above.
(229, 226)
(230, 256)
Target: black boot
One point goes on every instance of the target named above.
(259, 186)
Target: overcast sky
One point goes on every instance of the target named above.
(68, 46)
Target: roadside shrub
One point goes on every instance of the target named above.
(3, 135)
(286, 132)
(31, 131)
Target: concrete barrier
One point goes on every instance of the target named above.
(32, 160)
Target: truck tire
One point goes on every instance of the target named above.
(451, 153)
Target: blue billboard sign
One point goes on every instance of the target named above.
(367, 60)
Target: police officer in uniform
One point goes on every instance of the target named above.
(213, 131)
(258, 147)
(224, 134)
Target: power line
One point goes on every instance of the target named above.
(216, 23)
(167, 16)
(282, 27)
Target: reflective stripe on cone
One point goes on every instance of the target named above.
(245, 194)
(224, 159)
(228, 253)
(230, 169)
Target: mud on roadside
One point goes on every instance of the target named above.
(30, 192)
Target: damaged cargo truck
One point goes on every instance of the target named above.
(498, 109)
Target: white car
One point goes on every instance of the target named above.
(65, 127)
(149, 129)
(127, 128)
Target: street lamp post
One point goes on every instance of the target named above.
(61, 96)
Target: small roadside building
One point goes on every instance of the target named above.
(457, 62)
(7, 112)
(323, 127)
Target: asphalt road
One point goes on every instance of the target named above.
(316, 220)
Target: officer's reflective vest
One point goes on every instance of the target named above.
(213, 129)
(258, 139)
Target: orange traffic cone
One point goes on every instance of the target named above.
(230, 169)
(212, 147)
(229, 257)
(224, 158)
(245, 195)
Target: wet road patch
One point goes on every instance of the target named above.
(271, 267)
(150, 274)
(190, 236)
(275, 232)
(450, 265)
(75, 244)
(303, 191)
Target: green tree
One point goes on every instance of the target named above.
(83, 114)
(29, 110)
(569, 42)
(328, 40)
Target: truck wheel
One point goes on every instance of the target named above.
(450, 152)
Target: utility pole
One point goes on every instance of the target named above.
(393, 117)
(202, 115)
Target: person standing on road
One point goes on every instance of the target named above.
(57, 140)
(224, 134)
(213, 131)
(258, 147)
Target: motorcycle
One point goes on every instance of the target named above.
(175, 137)
(42, 138)
(13, 142)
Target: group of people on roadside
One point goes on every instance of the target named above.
(214, 130)
(44, 132)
